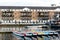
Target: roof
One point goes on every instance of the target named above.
(30, 7)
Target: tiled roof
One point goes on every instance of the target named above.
(30, 7)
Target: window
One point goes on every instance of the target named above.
(56, 15)
(43, 15)
(26, 15)
(7, 15)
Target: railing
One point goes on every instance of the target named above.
(23, 21)
(9, 29)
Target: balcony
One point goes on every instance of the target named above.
(25, 18)
(7, 18)
(26, 15)
(43, 18)
(23, 21)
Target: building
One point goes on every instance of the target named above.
(15, 17)
(18, 17)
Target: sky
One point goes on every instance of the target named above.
(29, 2)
